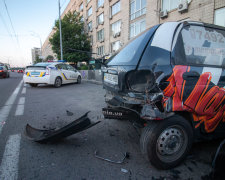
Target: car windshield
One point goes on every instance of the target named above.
(131, 53)
(43, 64)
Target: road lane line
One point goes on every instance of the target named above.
(19, 110)
(4, 111)
(22, 100)
(20, 107)
(24, 90)
(10, 160)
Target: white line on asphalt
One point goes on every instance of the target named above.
(4, 111)
(10, 160)
(20, 107)
(21, 100)
(19, 110)
(24, 90)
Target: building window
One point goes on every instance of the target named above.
(91, 40)
(116, 27)
(90, 26)
(100, 35)
(100, 3)
(170, 4)
(81, 7)
(136, 28)
(137, 8)
(100, 50)
(219, 18)
(100, 19)
(115, 46)
(115, 8)
(88, 1)
(89, 11)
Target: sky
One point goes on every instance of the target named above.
(25, 24)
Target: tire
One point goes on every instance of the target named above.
(166, 143)
(33, 84)
(78, 79)
(58, 82)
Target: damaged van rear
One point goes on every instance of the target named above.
(170, 81)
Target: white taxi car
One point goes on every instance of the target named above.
(53, 73)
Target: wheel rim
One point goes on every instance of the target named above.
(171, 143)
(58, 82)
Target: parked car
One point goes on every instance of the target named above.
(170, 81)
(53, 73)
(4, 71)
(20, 70)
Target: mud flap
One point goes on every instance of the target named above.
(44, 136)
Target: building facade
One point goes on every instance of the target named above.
(112, 23)
(35, 52)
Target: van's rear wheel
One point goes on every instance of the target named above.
(166, 143)
(58, 82)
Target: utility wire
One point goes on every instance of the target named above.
(7, 29)
(11, 23)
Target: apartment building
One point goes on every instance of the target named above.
(112, 23)
(35, 52)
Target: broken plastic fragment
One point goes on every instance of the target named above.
(126, 155)
(44, 136)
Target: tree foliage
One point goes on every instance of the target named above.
(49, 58)
(74, 39)
(37, 60)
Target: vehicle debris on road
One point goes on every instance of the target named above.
(126, 155)
(44, 136)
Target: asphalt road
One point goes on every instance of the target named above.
(73, 157)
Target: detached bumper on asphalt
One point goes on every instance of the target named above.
(44, 136)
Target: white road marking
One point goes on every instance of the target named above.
(19, 110)
(4, 111)
(22, 100)
(10, 160)
(24, 90)
(20, 107)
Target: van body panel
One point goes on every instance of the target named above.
(181, 69)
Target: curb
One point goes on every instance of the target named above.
(92, 81)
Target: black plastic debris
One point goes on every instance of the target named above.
(44, 136)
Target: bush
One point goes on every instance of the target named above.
(84, 67)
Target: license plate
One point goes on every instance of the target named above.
(35, 73)
(111, 78)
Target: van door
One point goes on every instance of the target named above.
(198, 59)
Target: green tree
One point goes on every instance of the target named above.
(74, 39)
(37, 60)
(49, 58)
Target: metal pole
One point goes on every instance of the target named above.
(60, 32)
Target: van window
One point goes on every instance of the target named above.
(132, 52)
(198, 45)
